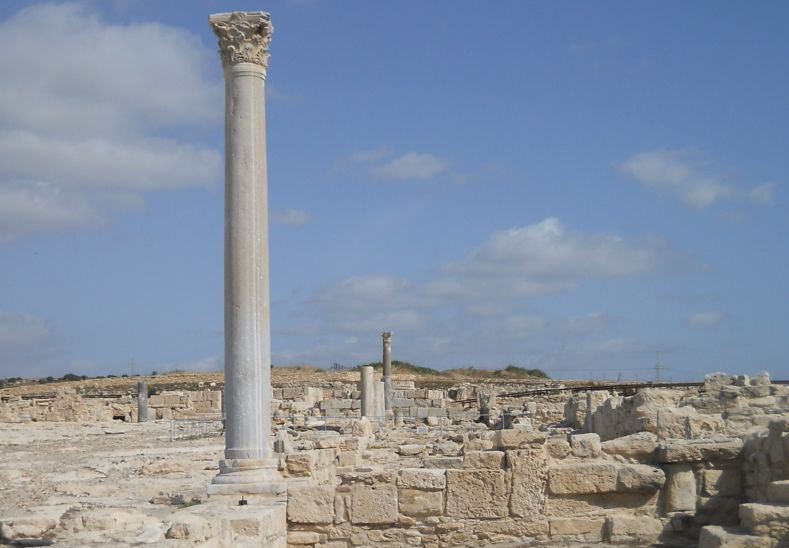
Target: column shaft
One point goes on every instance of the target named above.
(247, 333)
(142, 401)
(387, 369)
(367, 391)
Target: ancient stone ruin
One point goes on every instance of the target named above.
(390, 461)
(704, 465)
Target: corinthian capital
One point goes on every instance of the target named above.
(244, 37)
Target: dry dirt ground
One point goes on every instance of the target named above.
(51, 468)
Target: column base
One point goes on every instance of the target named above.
(249, 477)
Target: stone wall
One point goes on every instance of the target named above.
(668, 473)
(68, 406)
(727, 404)
(529, 487)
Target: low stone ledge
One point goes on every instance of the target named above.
(715, 450)
(640, 446)
(639, 477)
(588, 529)
(303, 538)
(443, 462)
(492, 460)
(515, 439)
(623, 528)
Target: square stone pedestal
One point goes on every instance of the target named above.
(222, 522)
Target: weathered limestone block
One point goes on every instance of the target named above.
(188, 526)
(537, 527)
(718, 509)
(778, 492)
(312, 504)
(443, 462)
(111, 519)
(640, 446)
(582, 478)
(672, 422)
(422, 478)
(716, 449)
(589, 529)
(585, 445)
(373, 504)
(599, 503)
(727, 482)
(492, 460)
(32, 526)
(715, 381)
(621, 528)
(760, 378)
(527, 495)
(639, 477)
(515, 439)
(715, 536)
(476, 494)
(416, 502)
(447, 449)
(680, 488)
(303, 538)
(362, 428)
(759, 391)
(766, 519)
(557, 448)
(410, 450)
(687, 423)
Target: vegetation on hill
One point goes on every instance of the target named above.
(402, 367)
(515, 371)
(509, 372)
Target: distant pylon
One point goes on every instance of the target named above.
(658, 367)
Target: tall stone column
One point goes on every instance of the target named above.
(249, 466)
(387, 340)
(380, 405)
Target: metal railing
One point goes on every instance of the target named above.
(199, 427)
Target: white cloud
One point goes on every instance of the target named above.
(483, 299)
(290, 217)
(97, 119)
(543, 258)
(705, 319)
(411, 165)
(762, 194)
(678, 172)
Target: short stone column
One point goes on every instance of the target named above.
(380, 404)
(367, 391)
(249, 466)
(679, 492)
(387, 369)
(589, 417)
(142, 401)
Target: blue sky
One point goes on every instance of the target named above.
(569, 186)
